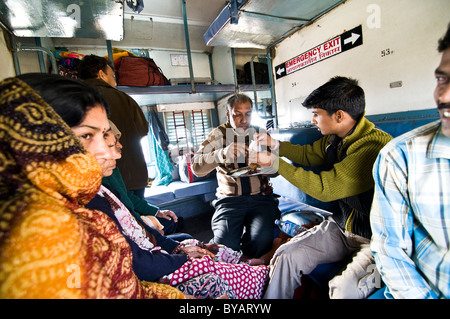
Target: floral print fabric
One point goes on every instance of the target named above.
(246, 281)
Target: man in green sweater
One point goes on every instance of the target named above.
(347, 151)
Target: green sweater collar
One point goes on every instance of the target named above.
(363, 127)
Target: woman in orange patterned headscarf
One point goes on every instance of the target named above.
(51, 246)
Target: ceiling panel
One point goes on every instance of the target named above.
(63, 18)
(263, 22)
(153, 95)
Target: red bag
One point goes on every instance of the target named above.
(136, 71)
(185, 170)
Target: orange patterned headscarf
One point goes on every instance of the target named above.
(50, 245)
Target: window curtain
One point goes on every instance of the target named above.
(160, 143)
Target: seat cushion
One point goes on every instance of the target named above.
(181, 189)
(158, 194)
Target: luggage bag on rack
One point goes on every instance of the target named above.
(139, 71)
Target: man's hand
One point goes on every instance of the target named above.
(196, 252)
(263, 158)
(235, 150)
(266, 140)
(167, 214)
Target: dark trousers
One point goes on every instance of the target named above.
(245, 223)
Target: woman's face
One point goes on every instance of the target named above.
(97, 137)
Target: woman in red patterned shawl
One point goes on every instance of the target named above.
(51, 246)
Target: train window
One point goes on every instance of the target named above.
(147, 148)
(201, 126)
(187, 129)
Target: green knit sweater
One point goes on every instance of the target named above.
(137, 205)
(351, 176)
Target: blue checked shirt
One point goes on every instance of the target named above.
(410, 216)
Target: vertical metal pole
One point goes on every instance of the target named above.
(40, 56)
(233, 62)
(15, 56)
(188, 45)
(252, 71)
(272, 89)
(16, 63)
(211, 67)
(110, 53)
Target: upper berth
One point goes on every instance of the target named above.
(262, 23)
(153, 95)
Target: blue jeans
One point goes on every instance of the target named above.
(257, 213)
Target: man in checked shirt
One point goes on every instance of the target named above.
(410, 216)
(241, 200)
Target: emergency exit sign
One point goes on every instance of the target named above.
(344, 42)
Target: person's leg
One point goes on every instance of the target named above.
(179, 236)
(227, 222)
(170, 226)
(299, 256)
(359, 279)
(259, 225)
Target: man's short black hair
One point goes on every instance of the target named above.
(90, 65)
(339, 93)
(444, 43)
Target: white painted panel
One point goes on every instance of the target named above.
(7, 69)
(410, 29)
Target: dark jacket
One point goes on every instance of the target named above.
(130, 120)
(148, 266)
